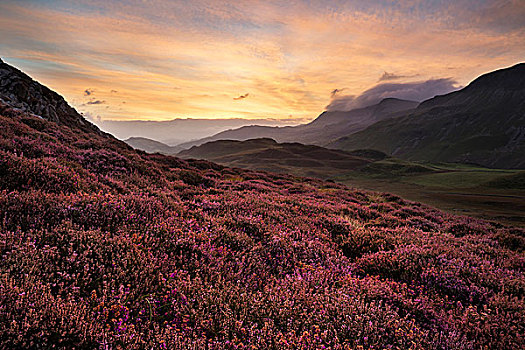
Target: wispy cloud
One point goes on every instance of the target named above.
(241, 97)
(96, 102)
(391, 76)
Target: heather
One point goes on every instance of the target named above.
(106, 247)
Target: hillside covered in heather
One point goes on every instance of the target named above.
(103, 246)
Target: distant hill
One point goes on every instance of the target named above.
(483, 123)
(151, 146)
(483, 192)
(295, 158)
(327, 127)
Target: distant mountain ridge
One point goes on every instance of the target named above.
(483, 123)
(327, 127)
(495, 89)
(372, 113)
(177, 131)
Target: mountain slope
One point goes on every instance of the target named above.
(484, 123)
(104, 246)
(268, 155)
(366, 115)
(327, 127)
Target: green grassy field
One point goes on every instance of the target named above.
(457, 178)
(493, 194)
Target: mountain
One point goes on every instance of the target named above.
(325, 128)
(483, 123)
(266, 154)
(151, 146)
(245, 133)
(105, 246)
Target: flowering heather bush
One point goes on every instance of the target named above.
(102, 246)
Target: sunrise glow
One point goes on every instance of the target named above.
(159, 60)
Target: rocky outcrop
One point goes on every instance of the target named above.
(21, 93)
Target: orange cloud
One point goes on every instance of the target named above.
(171, 59)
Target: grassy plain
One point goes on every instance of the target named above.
(493, 194)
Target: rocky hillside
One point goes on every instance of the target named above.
(21, 93)
(484, 124)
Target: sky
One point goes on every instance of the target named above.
(160, 60)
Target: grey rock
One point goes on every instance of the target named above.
(19, 91)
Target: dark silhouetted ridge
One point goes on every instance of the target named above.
(327, 127)
(492, 90)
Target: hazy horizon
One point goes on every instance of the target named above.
(178, 130)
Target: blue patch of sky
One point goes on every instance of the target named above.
(411, 9)
(168, 13)
(48, 68)
(67, 6)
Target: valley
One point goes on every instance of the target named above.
(492, 194)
